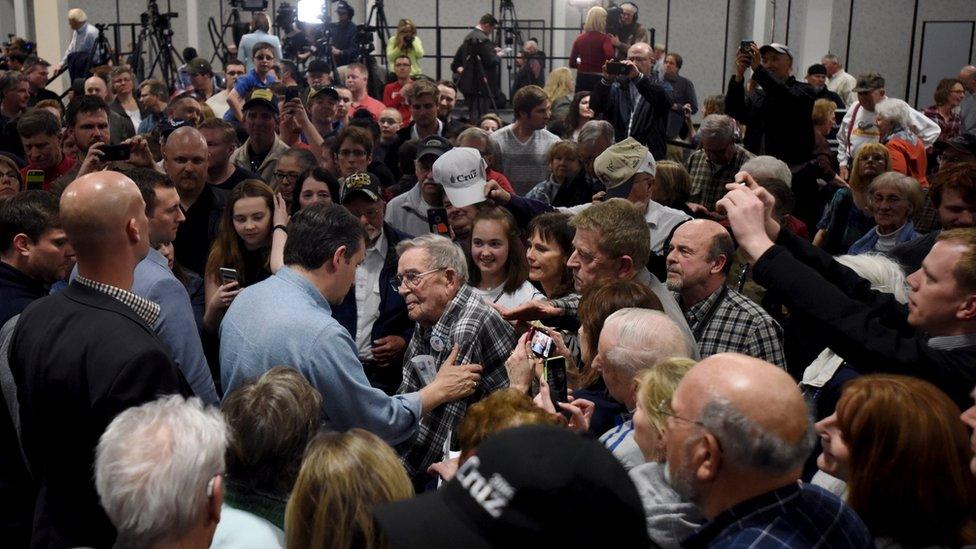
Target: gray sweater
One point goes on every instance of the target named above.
(669, 519)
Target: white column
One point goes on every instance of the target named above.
(759, 21)
(20, 18)
(193, 25)
(52, 34)
(558, 37)
(816, 38)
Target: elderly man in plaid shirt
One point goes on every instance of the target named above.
(717, 162)
(721, 319)
(450, 321)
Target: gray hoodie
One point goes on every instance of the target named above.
(669, 519)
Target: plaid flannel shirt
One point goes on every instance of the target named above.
(738, 326)
(484, 338)
(950, 128)
(796, 515)
(147, 310)
(708, 181)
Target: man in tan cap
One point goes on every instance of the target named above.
(627, 169)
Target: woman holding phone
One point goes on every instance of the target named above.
(243, 254)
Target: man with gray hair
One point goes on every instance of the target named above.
(715, 164)
(159, 473)
(453, 326)
(737, 435)
(764, 168)
(722, 319)
(633, 340)
(967, 109)
(839, 81)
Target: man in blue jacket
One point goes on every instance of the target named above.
(373, 313)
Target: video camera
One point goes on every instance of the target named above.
(249, 5)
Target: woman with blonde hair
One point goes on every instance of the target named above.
(559, 88)
(591, 49)
(343, 476)
(406, 43)
(848, 215)
(669, 518)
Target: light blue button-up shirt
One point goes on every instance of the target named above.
(285, 320)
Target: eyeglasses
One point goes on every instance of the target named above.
(664, 409)
(355, 153)
(293, 176)
(410, 279)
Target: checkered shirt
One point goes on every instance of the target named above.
(483, 338)
(569, 304)
(708, 181)
(950, 128)
(147, 310)
(738, 326)
(796, 515)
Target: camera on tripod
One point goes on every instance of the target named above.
(249, 5)
(364, 39)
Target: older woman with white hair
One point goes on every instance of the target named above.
(907, 150)
(894, 198)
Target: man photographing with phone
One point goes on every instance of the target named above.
(631, 97)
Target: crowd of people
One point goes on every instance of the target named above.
(264, 308)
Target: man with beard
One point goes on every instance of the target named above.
(722, 319)
(185, 156)
(817, 78)
(737, 434)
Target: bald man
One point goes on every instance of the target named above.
(120, 127)
(721, 319)
(84, 355)
(967, 109)
(185, 160)
(737, 435)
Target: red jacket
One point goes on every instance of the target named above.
(395, 100)
(590, 51)
(51, 174)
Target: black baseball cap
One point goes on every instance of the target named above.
(435, 145)
(363, 183)
(327, 91)
(318, 66)
(817, 68)
(538, 485)
(261, 97)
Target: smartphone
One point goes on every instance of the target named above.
(745, 46)
(556, 379)
(228, 275)
(35, 180)
(111, 153)
(540, 343)
(292, 92)
(616, 67)
(437, 221)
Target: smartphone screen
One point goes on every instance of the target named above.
(437, 221)
(556, 379)
(292, 92)
(111, 153)
(615, 67)
(35, 180)
(540, 343)
(228, 275)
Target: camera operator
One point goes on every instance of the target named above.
(476, 63)
(260, 25)
(343, 33)
(624, 29)
(635, 101)
(82, 43)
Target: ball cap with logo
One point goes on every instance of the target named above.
(533, 486)
(461, 171)
(261, 97)
(617, 165)
(363, 183)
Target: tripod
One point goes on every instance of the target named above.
(510, 34)
(100, 53)
(160, 49)
(381, 25)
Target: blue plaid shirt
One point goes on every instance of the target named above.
(795, 516)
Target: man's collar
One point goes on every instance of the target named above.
(305, 285)
(949, 343)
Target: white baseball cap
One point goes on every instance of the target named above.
(461, 171)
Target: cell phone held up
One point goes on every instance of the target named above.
(114, 153)
(35, 180)
(745, 46)
(540, 343)
(617, 68)
(437, 221)
(228, 275)
(555, 370)
(292, 92)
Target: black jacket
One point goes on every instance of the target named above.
(650, 122)
(782, 109)
(477, 55)
(868, 329)
(79, 358)
(17, 291)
